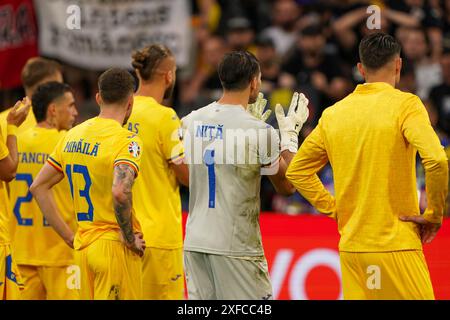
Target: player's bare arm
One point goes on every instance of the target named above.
(180, 167)
(16, 117)
(42, 192)
(181, 170)
(124, 177)
(278, 180)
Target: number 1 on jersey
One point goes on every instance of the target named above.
(209, 161)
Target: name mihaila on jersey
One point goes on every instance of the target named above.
(82, 147)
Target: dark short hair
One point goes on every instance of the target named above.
(115, 85)
(312, 30)
(44, 95)
(237, 69)
(37, 69)
(264, 42)
(148, 59)
(377, 49)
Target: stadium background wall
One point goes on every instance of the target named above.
(304, 263)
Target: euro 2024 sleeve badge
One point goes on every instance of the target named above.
(134, 149)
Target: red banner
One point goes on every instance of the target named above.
(304, 261)
(18, 40)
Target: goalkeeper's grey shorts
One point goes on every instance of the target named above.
(217, 277)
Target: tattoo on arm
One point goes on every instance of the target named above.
(123, 182)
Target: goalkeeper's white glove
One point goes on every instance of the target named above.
(291, 124)
(256, 109)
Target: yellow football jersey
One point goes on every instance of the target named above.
(29, 122)
(35, 242)
(87, 156)
(4, 208)
(371, 139)
(156, 196)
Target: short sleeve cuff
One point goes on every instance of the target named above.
(132, 164)
(55, 164)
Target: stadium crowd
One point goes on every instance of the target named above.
(308, 46)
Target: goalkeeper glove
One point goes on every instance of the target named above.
(291, 124)
(256, 109)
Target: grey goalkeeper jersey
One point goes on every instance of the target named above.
(227, 150)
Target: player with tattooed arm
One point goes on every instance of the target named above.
(101, 161)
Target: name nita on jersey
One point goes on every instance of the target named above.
(230, 145)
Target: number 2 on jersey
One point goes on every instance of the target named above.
(28, 179)
(83, 170)
(209, 161)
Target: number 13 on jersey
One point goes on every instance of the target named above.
(84, 193)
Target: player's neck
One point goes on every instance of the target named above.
(388, 80)
(151, 90)
(381, 77)
(45, 124)
(234, 98)
(112, 114)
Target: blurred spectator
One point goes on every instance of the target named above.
(351, 27)
(204, 87)
(314, 70)
(269, 63)
(416, 51)
(427, 15)
(207, 13)
(417, 9)
(407, 78)
(446, 23)
(285, 14)
(240, 35)
(256, 11)
(440, 95)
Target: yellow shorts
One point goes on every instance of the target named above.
(162, 274)
(109, 271)
(398, 275)
(47, 283)
(11, 282)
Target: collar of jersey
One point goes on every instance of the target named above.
(372, 87)
(96, 119)
(150, 100)
(229, 105)
(45, 129)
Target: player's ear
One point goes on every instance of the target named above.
(361, 70)
(138, 74)
(398, 69)
(398, 65)
(98, 99)
(169, 77)
(51, 110)
(131, 101)
(254, 83)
